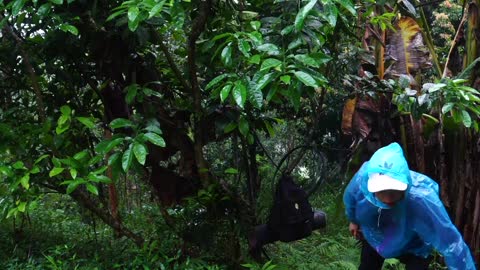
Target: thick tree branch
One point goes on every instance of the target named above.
(197, 28)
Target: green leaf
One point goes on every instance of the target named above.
(25, 181)
(255, 59)
(348, 5)
(57, 2)
(330, 13)
(240, 93)
(44, 9)
(127, 158)
(287, 30)
(42, 157)
(243, 126)
(18, 165)
(121, 123)
(231, 171)
(447, 107)
(286, 79)
(269, 128)
(73, 185)
(35, 170)
(69, 28)
(244, 47)
(156, 9)
(66, 110)
(270, 63)
(466, 119)
(255, 25)
(133, 13)
(269, 48)
(155, 139)
(115, 14)
(302, 14)
(216, 80)
(307, 60)
(226, 55)
(225, 92)
(153, 126)
(131, 93)
(21, 207)
(80, 155)
(17, 6)
(92, 189)
(55, 171)
(99, 178)
(230, 127)
(105, 146)
(86, 121)
(73, 173)
(140, 152)
(306, 79)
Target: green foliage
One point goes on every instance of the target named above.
(458, 103)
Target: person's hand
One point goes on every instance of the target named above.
(355, 230)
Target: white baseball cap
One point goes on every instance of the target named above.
(378, 182)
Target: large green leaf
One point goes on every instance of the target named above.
(240, 93)
(156, 9)
(270, 63)
(127, 158)
(225, 92)
(302, 14)
(348, 5)
(140, 152)
(121, 123)
(227, 55)
(216, 80)
(155, 139)
(306, 79)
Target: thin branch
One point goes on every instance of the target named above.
(171, 62)
(30, 70)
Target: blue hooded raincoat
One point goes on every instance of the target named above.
(415, 225)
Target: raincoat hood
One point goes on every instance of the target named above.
(388, 160)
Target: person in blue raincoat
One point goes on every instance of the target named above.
(397, 213)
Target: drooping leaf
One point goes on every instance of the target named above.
(306, 79)
(92, 189)
(69, 28)
(156, 9)
(227, 55)
(55, 171)
(302, 14)
(140, 152)
(230, 127)
(407, 48)
(127, 158)
(25, 181)
(225, 92)
(121, 123)
(131, 93)
(348, 5)
(86, 121)
(270, 63)
(269, 48)
(466, 119)
(244, 47)
(240, 93)
(216, 80)
(155, 139)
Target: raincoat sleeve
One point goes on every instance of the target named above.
(435, 227)
(352, 193)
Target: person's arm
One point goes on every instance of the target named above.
(350, 195)
(435, 227)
